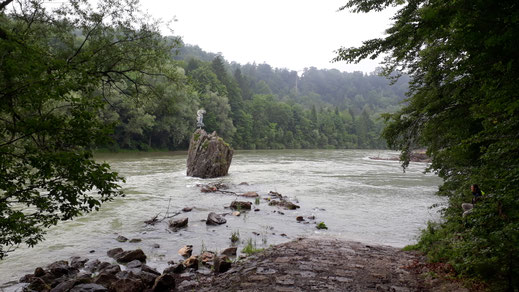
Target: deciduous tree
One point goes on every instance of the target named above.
(57, 67)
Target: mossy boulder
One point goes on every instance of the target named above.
(208, 155)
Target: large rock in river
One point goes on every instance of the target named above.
(208, 156)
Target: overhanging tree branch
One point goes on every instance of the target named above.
(3, 4)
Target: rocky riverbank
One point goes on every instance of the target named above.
(299, 265)
(305, 264)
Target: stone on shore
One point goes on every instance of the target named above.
(208, 155)
(191, 262)
(105, 279)
(128, 285)
(186, 251)
(230, 251)
(175, 269)
(131, 255)
(207, 256)
(222, 264)
(164, 283)
(89, 288)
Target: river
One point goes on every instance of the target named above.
(359, 199)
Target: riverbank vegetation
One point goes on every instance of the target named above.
(464, 107)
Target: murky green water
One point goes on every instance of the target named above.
(358, 199)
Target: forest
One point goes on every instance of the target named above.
(254, 106)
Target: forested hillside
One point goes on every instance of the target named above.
(254, 106)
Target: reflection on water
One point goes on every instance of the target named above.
(358, 199)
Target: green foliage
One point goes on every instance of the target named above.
(235, 236)
(251, 248)
(321, 225)
(58, 69)
(464, 108)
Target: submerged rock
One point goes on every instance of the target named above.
(241, 205)
(215, 219)
(121, 238)
(283, 204)
(111, 253)
(179, 223)
(208, 155)
(250, 195)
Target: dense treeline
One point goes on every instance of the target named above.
(464, 108)
(255, 106)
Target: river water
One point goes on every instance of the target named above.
(359, 199)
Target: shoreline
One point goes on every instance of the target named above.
(302, 264)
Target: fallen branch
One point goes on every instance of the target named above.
(155, 219)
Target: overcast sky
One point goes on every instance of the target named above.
(291, 34)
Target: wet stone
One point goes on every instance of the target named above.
(258, 278)
(286, 289)
(265, 271)
(285, 280)
(307, 274)
(121, 238)
(282, 260)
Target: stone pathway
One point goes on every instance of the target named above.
(317, 264)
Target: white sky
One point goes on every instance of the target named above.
(291, 34)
